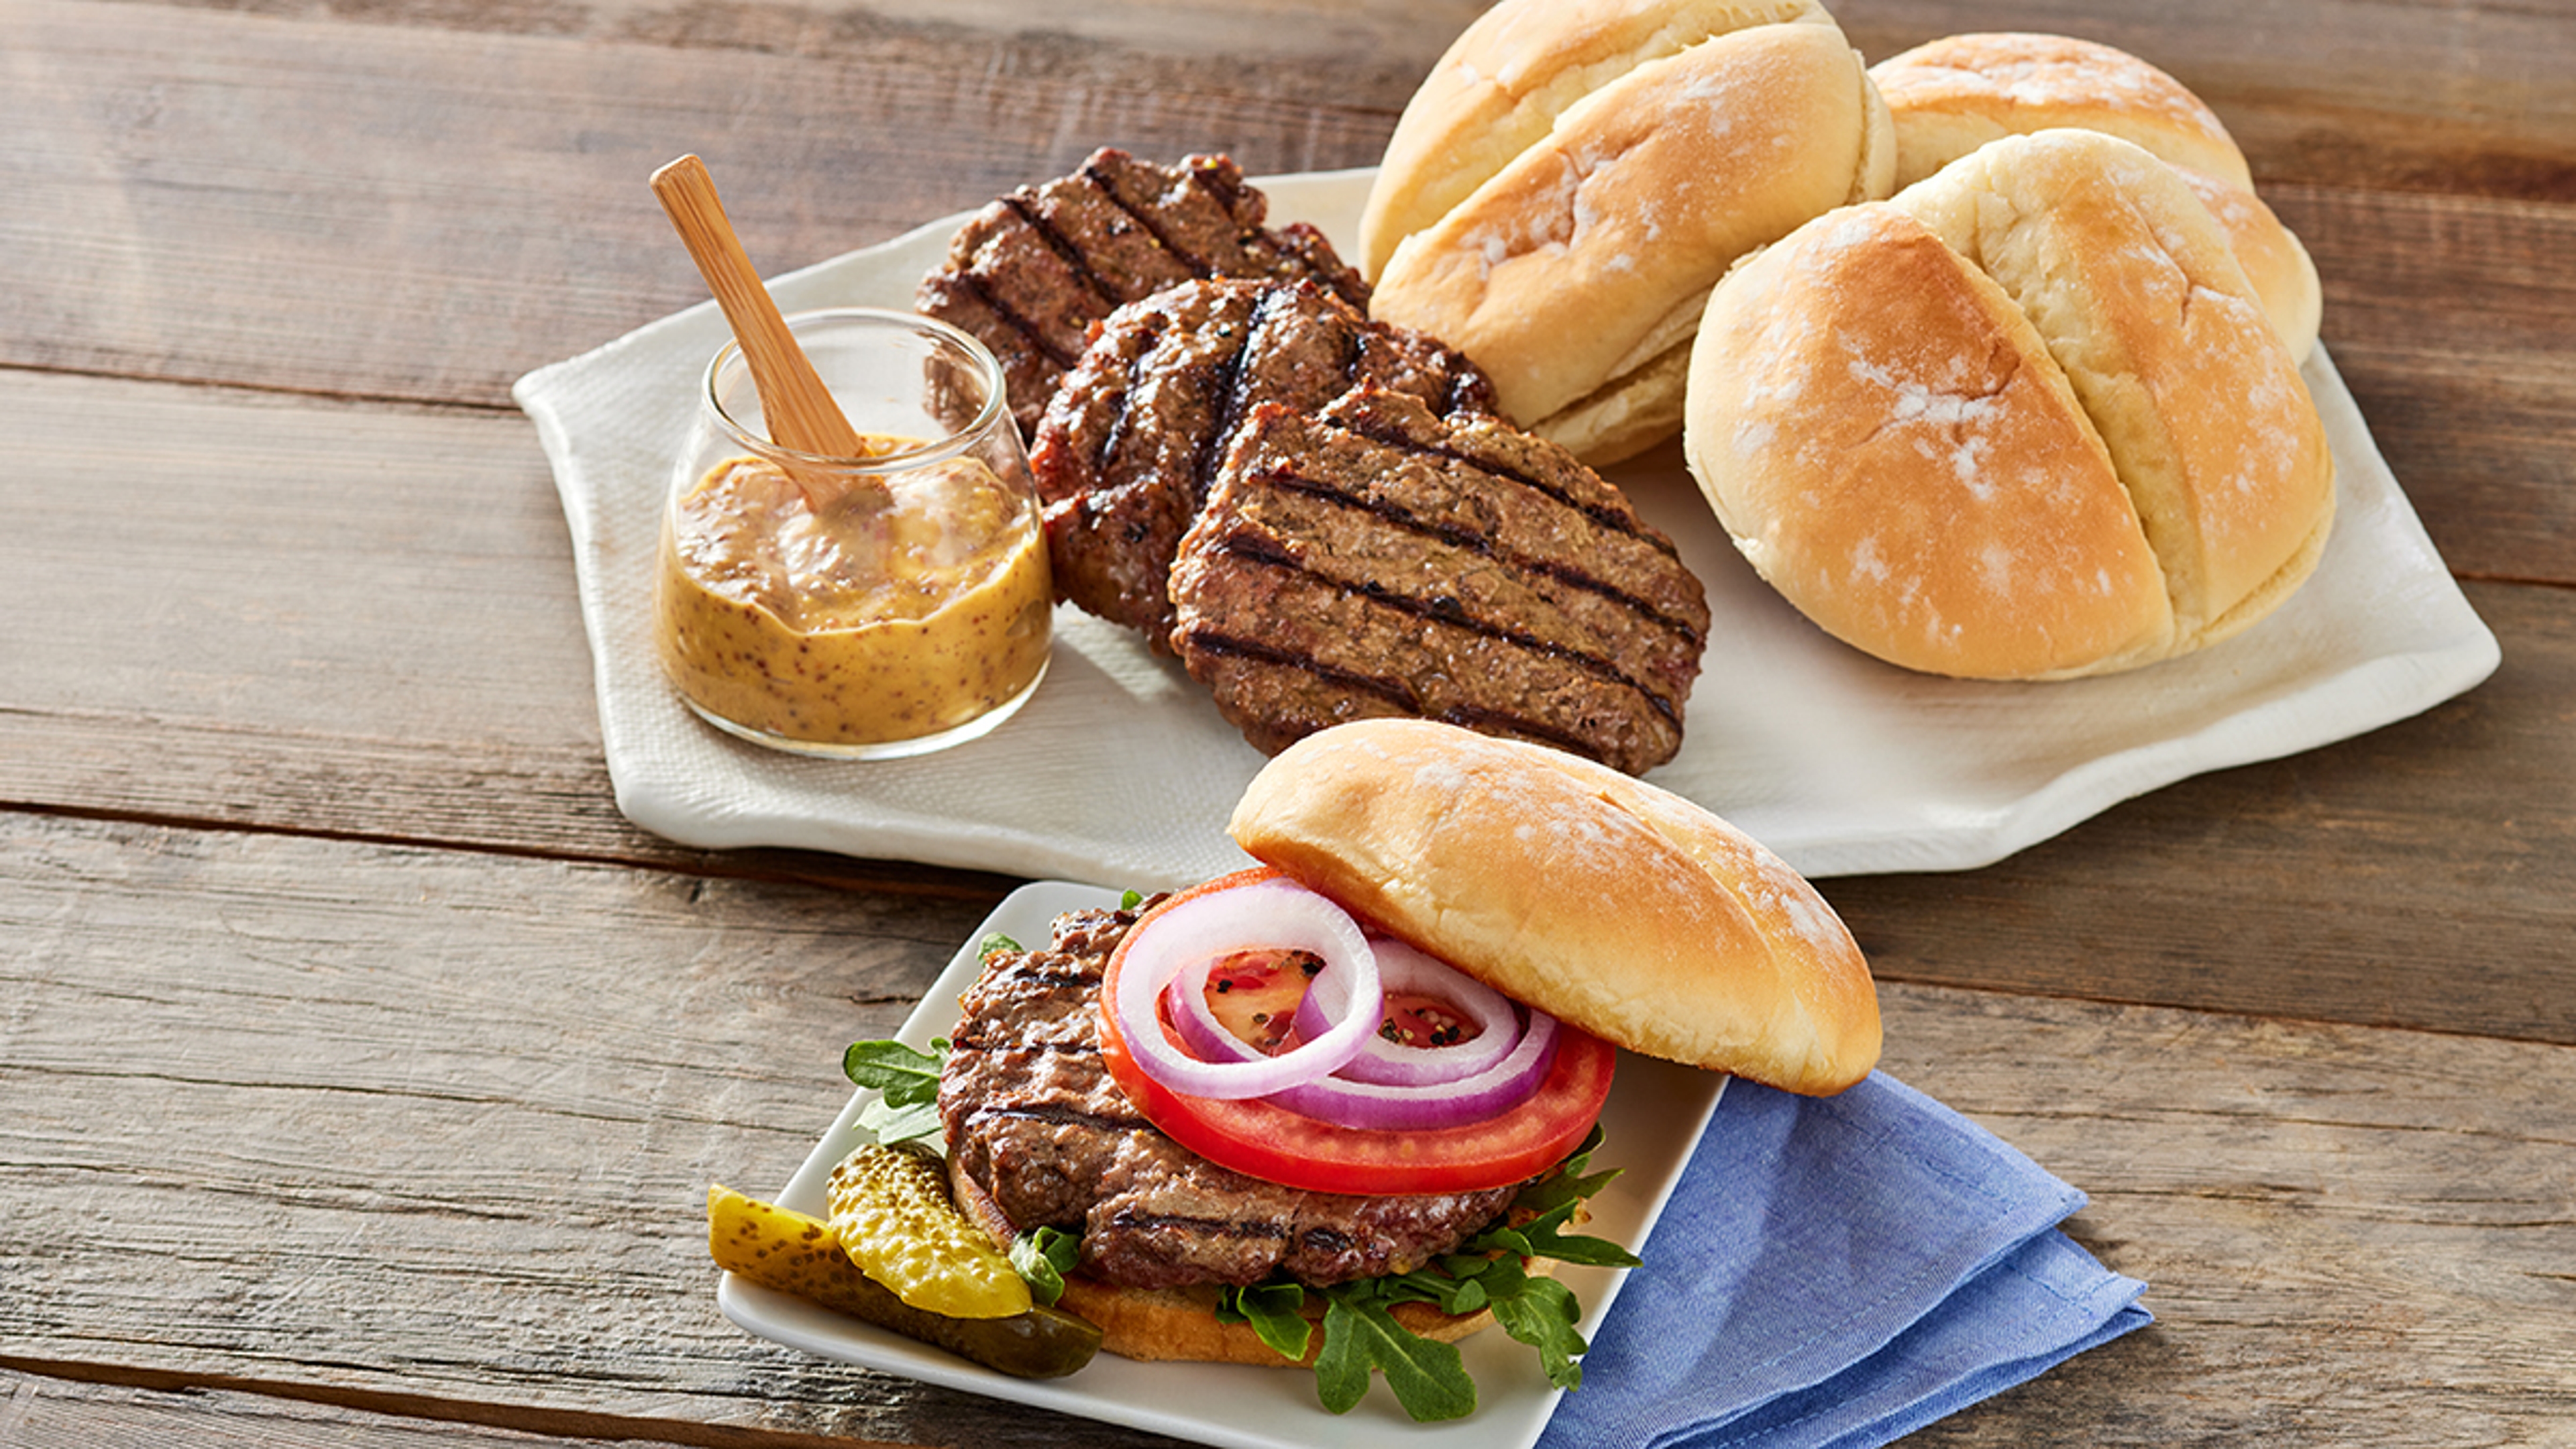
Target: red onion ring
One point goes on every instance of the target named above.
(1378, 1106)
(1191, 936)
(1401, 967)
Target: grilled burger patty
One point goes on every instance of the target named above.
(1129, 447)
(1381, 559)
(1033, 270)
(1034, 1118)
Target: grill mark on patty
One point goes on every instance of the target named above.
(1030, 969)
(1227, 194)
(1394, 691)
(984, 1045)
(1115, 436)
(1198, 266)
(1608, 518)
(1056, 1115)
(1231, 386)
(1014, 319)
(1062, 245)
(1217, 1229)
(1484, 547)
(1455, 616)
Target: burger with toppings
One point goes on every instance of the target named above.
(1339, 1109)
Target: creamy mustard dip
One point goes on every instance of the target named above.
(880, 609)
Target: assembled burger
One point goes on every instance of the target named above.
(1335, 1109)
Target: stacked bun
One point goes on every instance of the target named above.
(1572, 178)
(1953, 95)
(2027, 420)
(1568, 886)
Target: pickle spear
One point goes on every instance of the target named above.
(892, 1213)
(793, 1253)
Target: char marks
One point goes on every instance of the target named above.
(1380, 559)
(1034, 1118)
(1031, 272)
(1139, 428)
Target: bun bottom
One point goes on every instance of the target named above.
(1626, 415)
(1179, 1325)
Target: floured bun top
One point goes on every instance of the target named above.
(2026, 420)
(1611, 904)
(1499, 88)
(1952, 95)
(1949, 96)
(1574, 177)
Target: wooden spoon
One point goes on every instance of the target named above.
(800, 410)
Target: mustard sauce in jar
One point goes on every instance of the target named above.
(876, 606)
(846, 622)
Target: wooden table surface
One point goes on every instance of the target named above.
(360, 1066)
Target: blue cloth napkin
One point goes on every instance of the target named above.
(1840, 1271)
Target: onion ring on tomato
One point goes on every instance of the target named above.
(1381, 1106)
(1267, 1141)
(1252, 909)
(1401, 967)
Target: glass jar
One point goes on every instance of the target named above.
(865, 607)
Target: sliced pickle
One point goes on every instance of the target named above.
(793, 1253)
(893, 1215)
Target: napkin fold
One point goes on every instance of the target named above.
(1840, 1271)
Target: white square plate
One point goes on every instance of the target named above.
(1121, 771)
(1654, 1119)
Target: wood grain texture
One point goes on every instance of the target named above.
(362, 1067)
(52, 1407)
(480, 210)
(346, 259)
(479, 206)
(360, 621)
(409, 1123)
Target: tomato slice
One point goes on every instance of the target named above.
(1272, 1143)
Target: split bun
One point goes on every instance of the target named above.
(1950, 96)
(2026, 420)
(1608, 903)
(1572, 178)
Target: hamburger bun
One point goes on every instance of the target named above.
(1606, 902)
(1950, 96)
(1179, 1325)
(2027, 420)
(1572, 180)
(1564, 884)
(1502, 83)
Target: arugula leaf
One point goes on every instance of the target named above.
(1043, 1258)
(1131, 900)
(993, 943)
(1429, 1379)
(1362, 1337)
(907, 1083)
(1273, 1311)
(1542, 1315)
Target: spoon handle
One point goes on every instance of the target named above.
(800, 410)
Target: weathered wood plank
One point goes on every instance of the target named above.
(38, 1411)
(478, 205)
(2416, 95)
(403, 1122)
(478, 208)
(360, 622)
